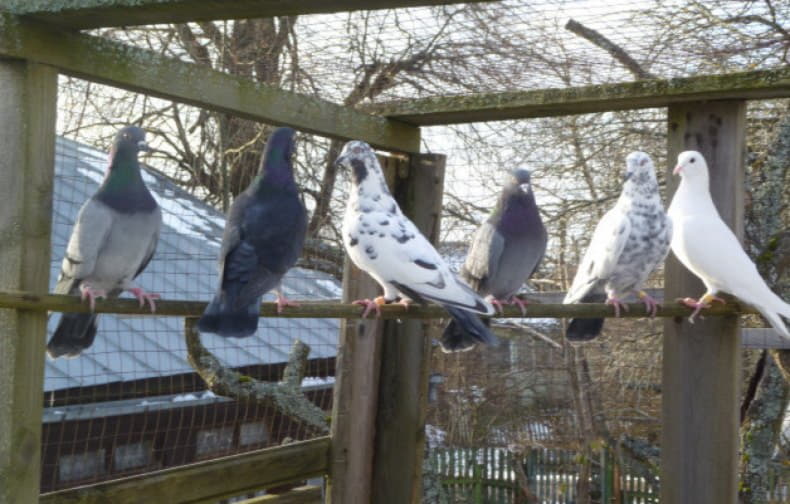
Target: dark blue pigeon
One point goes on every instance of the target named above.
(263, 239)
(505, 252)
(113, 240)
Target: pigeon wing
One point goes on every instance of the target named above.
(88, 237)
(600, 259)
(482, 260)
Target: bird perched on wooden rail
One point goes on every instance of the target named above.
(113, 240)
(629, 242)
(709, 249)
(263, 238)
(384, 243)
(505, 251)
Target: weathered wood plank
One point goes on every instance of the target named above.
(405, 361)
(214, 479)
(334, 309)
(28, 101)
(81, 14)
(701, 364)
(300, 495)
(110, 62)
(583, 100)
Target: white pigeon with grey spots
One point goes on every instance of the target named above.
(629, 242)
(384, 243)
(709, 249)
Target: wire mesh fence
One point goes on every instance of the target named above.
(133, 403)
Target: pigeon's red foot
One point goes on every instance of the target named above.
(283, 301)
(91, 294)
(651, 305)
(522, 305)
(617, 305)
(143, 296)
(371, 305)
(497, 304)
(704, 302)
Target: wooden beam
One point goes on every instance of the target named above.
(701, 362)
(110, 62)
(406, 354)
(759, 338)
(334, 309)
(214, 479)
(28, 103)
(587, 99)
(81, 14)
(300, 495)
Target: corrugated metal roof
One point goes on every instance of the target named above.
(184, 267)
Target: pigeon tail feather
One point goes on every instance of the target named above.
(75, 333)
(774, 311)
(586, 329)
(230, 323)
(465, 331)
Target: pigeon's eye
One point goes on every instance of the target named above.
(692, 160)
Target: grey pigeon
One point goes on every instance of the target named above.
(630, 241)
(505, 252)
(383, 242)
(710, 250)
(113, 240)
(264, 235)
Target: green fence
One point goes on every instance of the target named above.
(488, 476)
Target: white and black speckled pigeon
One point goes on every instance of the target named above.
(710, 250)
(388, 246)
(630, 241)
(113, 240)
(263, 238)
(505, 252)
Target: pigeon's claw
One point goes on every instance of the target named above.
(91, 294)
(704, 302)
(405, 302)
(143, 296)
(497, 304)
(651, 305)
(617, 303)
(371, 305)
(522, 305)
(283, 301)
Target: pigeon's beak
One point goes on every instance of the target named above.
(524, 187)
(678, 170)
(627, 175)
(339, 161)
(142, 145)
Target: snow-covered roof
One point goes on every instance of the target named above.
(184, 268)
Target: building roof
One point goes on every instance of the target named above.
(184, 268)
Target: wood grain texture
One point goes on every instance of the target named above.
(28, 98)
(551, 102)
(81, 14)
(701, 362)
(207, 481)
(299, 495)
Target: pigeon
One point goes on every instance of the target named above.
(113, 240)
(263, 238)
(629, 242)
(505, 251)
(710, 250)
(383, 242)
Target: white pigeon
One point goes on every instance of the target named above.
(629, 242)
(383, 242)
(709, 249)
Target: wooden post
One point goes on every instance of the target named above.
(701, 362)
(28, 98)
(403, 390)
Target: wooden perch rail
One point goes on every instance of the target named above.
(335, 309)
